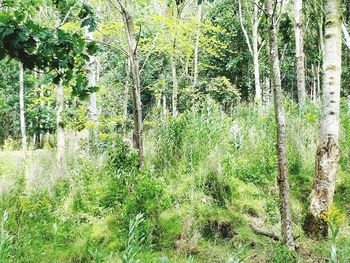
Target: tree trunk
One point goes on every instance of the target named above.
(299, 51)
(258, 92)
(59, 123)
(314, 84)
(135, 74)
(21, 107)
(253, 49)
(175, 86)
(318, 81)
(196, 49)
(126, 96)
(164, 106)
(327, 154)
(285, 210)
(346, 35)
(92, 78)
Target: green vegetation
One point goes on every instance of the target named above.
(160, 131)
(194, 200)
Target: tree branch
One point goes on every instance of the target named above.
(243, 28)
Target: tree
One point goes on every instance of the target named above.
(285, 210)
(252, 43)
(22, 107)
(129, 23)
(299, 51)
(60, 140)
(196, 48)
(327, 155)
(92, 78)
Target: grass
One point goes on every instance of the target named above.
(203, 185)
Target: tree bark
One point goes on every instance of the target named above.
(175, 85)
(327, 155)
(285, 210)
(129, 23)
(299, 51)
(258, 92)
(164, 108)
(22, 107)
(126, 95)
(92, 78)
(253, 48)
(346, 35)
(59, 123)
(196, 49)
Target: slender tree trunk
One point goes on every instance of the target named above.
(258, 92)
(59, 123)
(320, 29)
(135, 74)
(314, 83)
(175, 86)
(126, 96)
(196, 48)
(299, 51)
(21, 107)
(346, 35)
(164, 107)
(92, 78)
(327, 154)
(253, 48)
(318, 81)
(285, 210)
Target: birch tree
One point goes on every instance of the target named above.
(22, 107)
(126, 9)
(92, 78)
(252, 42)
(59, 122)
(299, 51)
(196, 48)
(327, 155)
(285, 210)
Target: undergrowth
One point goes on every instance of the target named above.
(208, 177)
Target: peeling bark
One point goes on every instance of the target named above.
(129, 24)
(327, 155)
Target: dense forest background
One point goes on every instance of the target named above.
(146, 131)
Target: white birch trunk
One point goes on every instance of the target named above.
(164, 108)
(258, 92)
(59, 123)
(196, 49)
(346, 35)
(175, 86)
(22, 107)
(92, 78)
(299, 51)
(327, 155)
(253, 48)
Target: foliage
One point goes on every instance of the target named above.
(334, 218)
(40, 47)
(134, 241)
